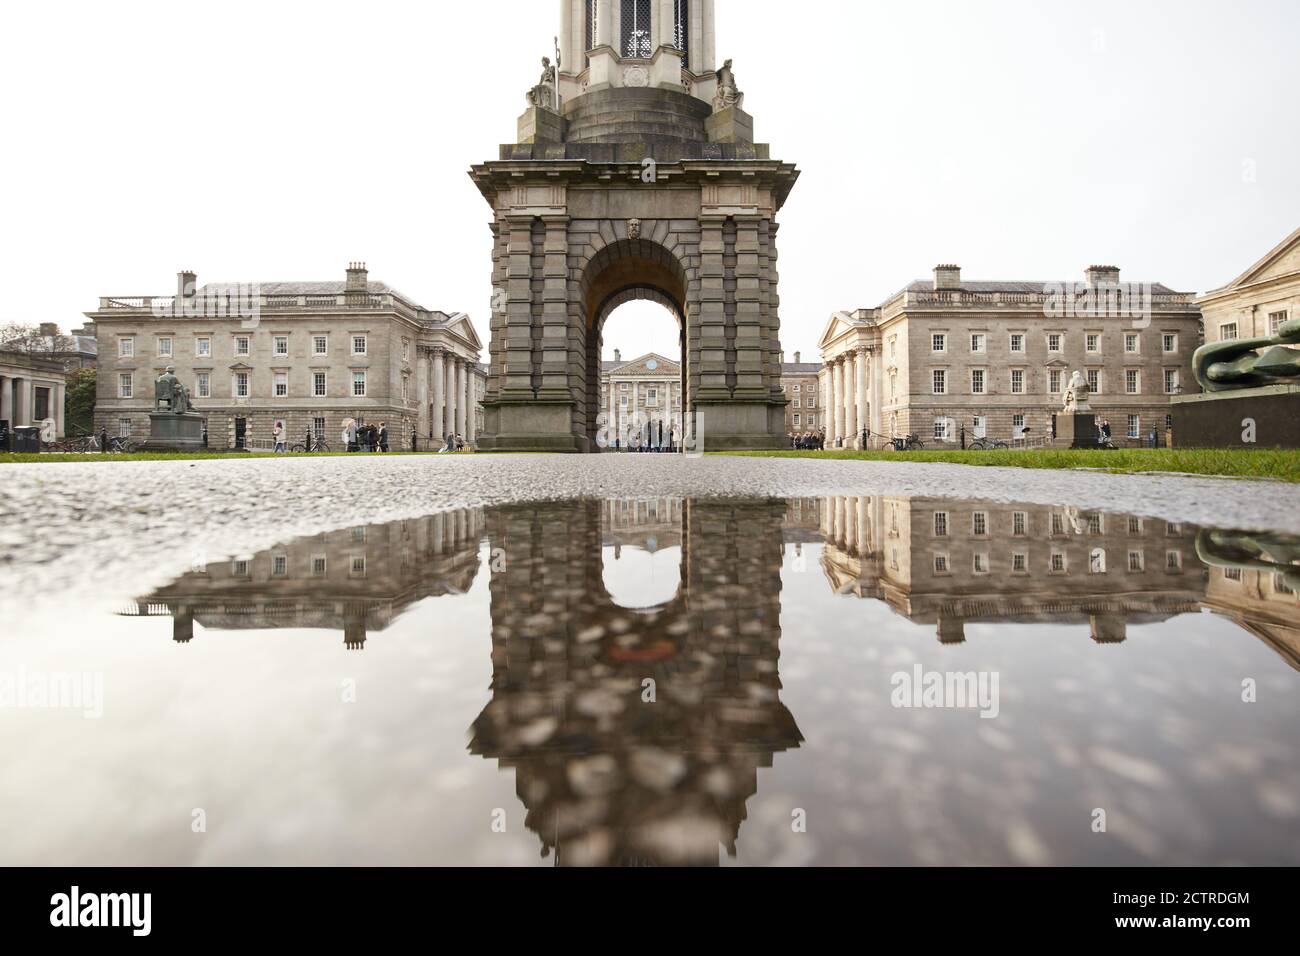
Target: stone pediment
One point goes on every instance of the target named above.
(649, 366)
(1282, 260)
(838, 324)
(459, 324)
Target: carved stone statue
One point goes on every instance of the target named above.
(543, 94)
(169, 395)
(728, 94)
(634, 228)
(1077, 393)
(1240, 363)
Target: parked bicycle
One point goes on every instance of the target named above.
(908, 443)
(317, 445)
(988, 444)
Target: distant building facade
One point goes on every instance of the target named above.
(640, 399)
(1259, 300)
(800, 381)
(74, 351)
(948, 356)
(309, 354)
(33, 390)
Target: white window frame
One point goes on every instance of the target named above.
(275, 345)
(365, 343)
(203, 346)
(978, 343)
(1092, 343)
(1134, 339)
(1017, 381)
(1058, 346)
(126, 346)
(316, 339)
(165, 347)
(359, 379)
(1171, 380)
(978, 381)
(1011, 343)
(125, 385)
(278, 379)
(203, 385)
(939, 381)
(939, 339)
(243, 345)
(320, 383)
(235, 384)
(1165, 339)
(1224, 332)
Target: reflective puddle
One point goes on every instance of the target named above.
(818, 681)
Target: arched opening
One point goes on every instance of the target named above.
(642, 277)
(642, 389)
(641, 553)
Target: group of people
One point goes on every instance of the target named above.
(454, 443)
(808, 441)
(358, 436)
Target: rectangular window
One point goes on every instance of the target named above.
(637, 40)
(406, 388)
(318, 384)
(1095, 525)
(319, 565)
(1171, 381)
(1228, 331)
(812, 400)
(358, 345)
(940, 382)
(1054, 381)
(241, 385)
(203, 347)
(977, 381)
(320, 345)
(165, 347)
(1017, 341)
(359, 565)
(1018, 425)
(281, 384)
(282, 345)
(1017, 381)
(1094, 381)
(126, 348)
(125, 385)
(1134, 427)
(359, 384)
(124, 428)
(1137, 561)
(941, 524)
(939, 342)
(318, 429)
(941, 564)
(942, 429)
(280, 565)
(1132, 381)
(1019, 562)
(1232, 574)
(796, 421)
(1058, 524)
(1169, 342)
(203, 385)
(1054, 342)
(242, 345)
(239, 568)
(406, 350)
(1093, 342)
(1019, 523)
(1173, 560)
(977, 340)
(1275, 320)
(1134, 525)
(1131, 342)
(979, 524)
(1058, 565)
(797, 403)
(980, 564)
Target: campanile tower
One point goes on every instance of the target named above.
(635, 175)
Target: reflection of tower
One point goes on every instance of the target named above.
(605, 775)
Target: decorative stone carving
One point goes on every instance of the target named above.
(1077, 393)
(728, 94)
(634, 228)
(543, 94)
(636, 76)
(1239, 363)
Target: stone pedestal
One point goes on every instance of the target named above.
(731, 125)
(1267, 417)
(168, 432)
(1076, 430)
(541, 125)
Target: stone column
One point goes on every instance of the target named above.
(841, 382)
(850, 399)
(421, 392)
(604, 23)
(864, 527)
(568, 58)
(449, 361)
(439, 420)
(828, 405)
(706, 58)
(6, 399)
(877, 373)
(470, 424)
(21, 402)
(864, 395)
(57, 393)
(460, 396)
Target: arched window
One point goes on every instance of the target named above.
(637, 39)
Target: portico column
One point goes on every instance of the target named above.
(839, 397)
(830, 402)
(59, 400)
(604, 23)
(877, 390)
(20, 402)
(850, 399)
(6, 399)
(460, 397)
(864, 396)
(449, 425)
(469, 402)
(438, 421)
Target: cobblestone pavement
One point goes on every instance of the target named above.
(94, 533)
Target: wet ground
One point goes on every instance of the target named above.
(411, 662)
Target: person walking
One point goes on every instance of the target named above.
(383, 437)
(277, 433)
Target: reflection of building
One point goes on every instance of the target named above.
(1259, 300)
(309, 354)
(356, 581)
(1255, 582)
(994, 357)
(947, 563)
(608, 776)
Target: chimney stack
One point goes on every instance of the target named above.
(618, 356)
(783, 358)
(1102, 276)
(947, 277)
(187, 284)
(358, 277)
(796, 357)
(50, 329)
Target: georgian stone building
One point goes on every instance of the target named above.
(645, 393)
(1259, 300)
(310, 354)
(993, 358)
(800, 382)
(33, 389)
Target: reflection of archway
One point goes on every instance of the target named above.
(606, 775)
(622, 272)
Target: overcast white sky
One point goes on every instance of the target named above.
(279, 140)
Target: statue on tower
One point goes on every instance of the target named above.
(543, 94)
(729, 94)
